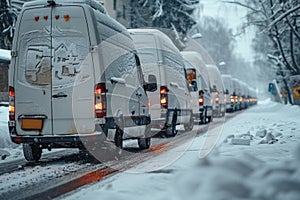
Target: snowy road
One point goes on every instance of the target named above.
(267, 168)
(254, 142)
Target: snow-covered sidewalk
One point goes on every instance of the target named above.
(255, 156)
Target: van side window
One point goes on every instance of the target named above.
(122, 67)
(176, 64)
(139, 70)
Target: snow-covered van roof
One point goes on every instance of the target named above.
(165, 42)
(227, 81)
(193, 45)
(93, 3)
(215, 77)
(236, 85)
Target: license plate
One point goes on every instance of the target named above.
(32, 124)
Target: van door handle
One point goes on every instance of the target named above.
(59, 95)
(117, 80)
(174, 84)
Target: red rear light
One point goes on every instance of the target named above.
(11, 107)
(100, 100)
(201, 99)
(231, 99)
(164, 97)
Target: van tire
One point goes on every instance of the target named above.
(119, 138)
(144, 143)
(32, 152)
(209, 119)
(190, 125)
(171, 131)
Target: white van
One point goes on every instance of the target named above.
(163, 64)
(217, 90)
(229, 91)
(74, 75)
(200, 86)
(236, 93)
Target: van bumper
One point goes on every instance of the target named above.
(53, 139)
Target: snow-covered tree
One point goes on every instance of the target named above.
(279, 20)
(173, 15)
(218, 39)
(8, 16)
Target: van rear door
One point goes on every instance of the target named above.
(54, 76)
(72, 72)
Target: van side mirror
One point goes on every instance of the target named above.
(194, 86)
(227, 91)
(151, 86)
(201, 92)
(214, 89)
(272, 89)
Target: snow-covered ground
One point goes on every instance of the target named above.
(256, 156)
(8, 150)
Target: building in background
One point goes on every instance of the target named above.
(120, 10)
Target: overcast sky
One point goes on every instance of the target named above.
(233, 16)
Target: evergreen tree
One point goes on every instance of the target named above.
(173, 16)
(8, 17)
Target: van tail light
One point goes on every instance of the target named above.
(236, 99)
(164, 97)
(11, 106)
(201, 99)
(100, 100)
(232, 99)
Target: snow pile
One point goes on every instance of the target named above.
(7, 148)
(261, 136)
(240, 178)
(4, 136)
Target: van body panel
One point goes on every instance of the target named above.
(32, 81)
(160, 57)
(53, 62)
(61, 53)
(71, 46)
(217, 90)
(194, 62)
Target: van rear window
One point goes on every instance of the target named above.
(53, 43)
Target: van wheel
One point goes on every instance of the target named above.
(119, 138)
(144, 143)
(190, 125)
(32, 152)
(209, 119)
(171, 131)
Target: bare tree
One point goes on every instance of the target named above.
(280, 21)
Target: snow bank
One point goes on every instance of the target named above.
(7, 148)
(244, 178)
(4, 136)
